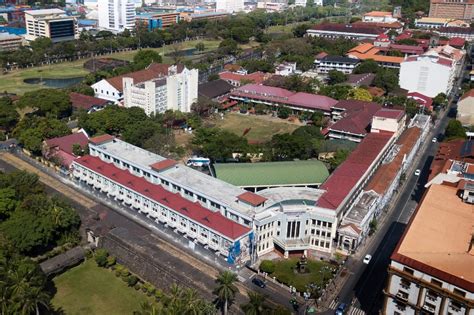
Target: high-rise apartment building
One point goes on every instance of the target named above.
(50, 23)
(229, 6)
(452, 9)
(116, 15)
(177, 90)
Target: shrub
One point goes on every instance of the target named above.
(125, 272)
(158, 294)
(267, 266)
(117, 273)
(132, 280)
(111, 260)
(101, 257)
(138, 286)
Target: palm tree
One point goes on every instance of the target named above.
(255, 305)
(32, 301)
(226, 289)
(147, 308)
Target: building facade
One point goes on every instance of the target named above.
(379, 17)
(9, 42)
(343, 64)
(452, 9)
(334, 30)
(175, 91)
(50, 23)
(229, 6)
(465, 109)
(116, 15)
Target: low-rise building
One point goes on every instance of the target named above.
(273, 96)
(379, 17)
(342, 64)
(348, 31)
(9, 42)
(61, 149)
(214, 90)
(452, 9)
(462, 32)
(285, 69)
(436, 23)
(177, 90)
(272, 6)
(154, 21)
(431, 268)
(238, 78)
(88, 103)
(417, 73)
(50, 23)
(465, 109)
(369, 51)
(422, 100)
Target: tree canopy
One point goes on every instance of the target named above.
(51, 102)
(455, 130)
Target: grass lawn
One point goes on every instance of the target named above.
(13, 81)
(262, 128)
(284, 273)
(209, 44)
(88, 289)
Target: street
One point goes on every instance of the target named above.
(365, 283)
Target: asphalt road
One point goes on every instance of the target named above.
(365, 283)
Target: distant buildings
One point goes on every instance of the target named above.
(237, 78)
(348, 31)
(176, 90)
(379, 17)
(9, 42)
(302, 3)
(158, 21)
(435, 23)
(465, 109)
(116, 15)
(88, 103)
(466, 33)
(229, 6)
(272, 6)
(452, 9)
(50, 23)
(342, 64)
(61, 149)
(286, 69)
(431, 267)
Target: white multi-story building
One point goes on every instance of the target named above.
(302, 3)
(343, 64)
(229, 6)
(116, 15)
(417, 74)
(431, 270)
(379, 17)
(177, 90)
(50, 23)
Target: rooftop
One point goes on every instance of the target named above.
(264, 174)
(45, 12)
(66, 143)
(390, 113)
(340, 59)
(438, 238)
(345, 178)
(213, 89)
(469, 93)
(255, 77)
(347, 28)
(194, 211)
(207, 186)
(357, 116)
(85, 101)
(378, 13)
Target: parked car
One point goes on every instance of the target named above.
(259, 282)
(434, 140)
(367, 259)
(341, 309)
(417, 172)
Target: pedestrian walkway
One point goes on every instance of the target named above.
(355, 311)
(333, 305)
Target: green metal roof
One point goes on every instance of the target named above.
(308, 172)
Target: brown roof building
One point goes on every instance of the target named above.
(452, 9)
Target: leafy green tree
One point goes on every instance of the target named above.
(360, 95)
(144, 57)
(9, 117)
(300, 30)
(255, 305)
(455, 130)
(386, 79)
(100, 257)
(228, 47)
(215, 143)
(8, 202)
(283, 112)
(226, 289)
(338, 92)
(47, 102)
(200, 46)
(339, 157)
(367, 66)
(335, 77)
(440, 100)
(267, 266)
(408, 41)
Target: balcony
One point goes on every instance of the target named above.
(429, 308)
(402, 296)
(292, 244)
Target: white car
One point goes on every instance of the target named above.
(367, 259)
(434, 140)
(417, 173)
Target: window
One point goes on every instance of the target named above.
(437, 283)
(459, 292)
(329, 225)
(201, 198)
(408, 270)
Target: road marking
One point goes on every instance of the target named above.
(356, 311)
(333, 305)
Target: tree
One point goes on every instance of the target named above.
(8, 202)
(338, 92)
(9, 117)
(47, 102)
(255, 305)
(267, 266)
(440, 100)
(339, 157)
(100, 257)
(218, 144)
(386, 79)
(300, 30)
(335, 77)
(372, 226)
(360, 95)
(78, 150)
(367, 66)
(228, 47)
(144, 57)
(283, 112)
(455, 130)
(204, 106)
(226, 290)
(200, 46)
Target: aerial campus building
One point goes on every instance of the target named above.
(276, 214)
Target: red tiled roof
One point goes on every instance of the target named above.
(457, 42)
(162, 165)
(85, 101)
(101, 139)
(357, 116)
(348, 28)
(65, 143)
(469, 93)
(383, 25)
(349, 173)
(194, 211)
(256, 77)
(283, 96)
(151, 72)
(251, 198)
(421, 99)
(390, 113)
(321, 55)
